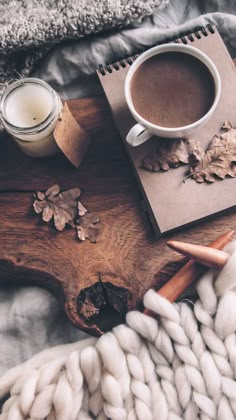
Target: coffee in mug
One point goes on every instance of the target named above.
(170, 90)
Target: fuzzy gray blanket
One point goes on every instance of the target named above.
(30, 28)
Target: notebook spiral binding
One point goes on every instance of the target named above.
(203, 31)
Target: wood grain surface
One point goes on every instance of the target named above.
(127, 255)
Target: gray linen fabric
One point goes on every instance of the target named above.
(30, 318)
(70, 68)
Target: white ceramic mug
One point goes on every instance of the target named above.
(142, 131)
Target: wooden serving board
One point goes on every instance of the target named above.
(127, 255)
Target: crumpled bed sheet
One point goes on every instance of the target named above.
(30, 318)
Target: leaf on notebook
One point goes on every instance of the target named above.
(218, 161)
(167, 154)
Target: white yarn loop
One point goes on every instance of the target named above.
(181, 365)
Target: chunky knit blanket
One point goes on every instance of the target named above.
(29, 28)
(181, 365)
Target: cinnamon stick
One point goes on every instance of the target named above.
(189, 273)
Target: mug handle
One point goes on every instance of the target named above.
(137, 135)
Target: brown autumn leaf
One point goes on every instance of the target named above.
(56, 205)
(65, 209)
(167, 154)
(87, 227)
(93, 299)
(218, 161)
(227, 125)
(81, 209)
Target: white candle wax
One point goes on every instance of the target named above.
(30, 112)
(28, 105)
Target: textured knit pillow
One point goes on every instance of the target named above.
(28, 29)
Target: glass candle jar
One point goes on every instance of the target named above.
(30, 109)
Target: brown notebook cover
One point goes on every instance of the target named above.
(169, 202)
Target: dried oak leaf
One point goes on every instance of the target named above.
(218, 161)
(86, 227)
(81, 209)
(227, 125)
(61, 206)
(167, 154)
(92, 300)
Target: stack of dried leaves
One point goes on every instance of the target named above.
(65, 209)
(217, 162)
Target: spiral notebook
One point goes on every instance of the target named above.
(169, 202)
